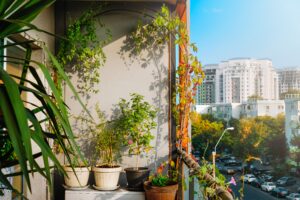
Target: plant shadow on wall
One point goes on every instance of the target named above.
(151, 56)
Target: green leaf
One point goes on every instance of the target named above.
(13, 131)
(15, 119)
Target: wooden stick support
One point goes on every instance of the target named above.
(195, 167)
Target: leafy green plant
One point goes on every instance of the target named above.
(82, 51)
(136, 120)
(108, 141)
(23, 122)
(160, 179)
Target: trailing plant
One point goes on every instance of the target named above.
(22, 122)
(136, 120)
(82, 51)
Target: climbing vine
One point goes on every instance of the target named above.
(189, 74)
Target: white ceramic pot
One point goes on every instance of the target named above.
(82, 176)
(107, 178)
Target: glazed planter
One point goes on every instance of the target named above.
(106, 178)
(160, 193)
(136, 177)
(82, 176)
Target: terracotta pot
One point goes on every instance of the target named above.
(82, 176)
(107, 178)
(160, 193)
(136, 177)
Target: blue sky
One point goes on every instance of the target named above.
(224, 29)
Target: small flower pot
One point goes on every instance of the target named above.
(136, 177)
(160, 193)
(82, 176)
(107, 178)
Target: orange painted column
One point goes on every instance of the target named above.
(183, 118)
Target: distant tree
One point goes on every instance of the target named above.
(262, 136)
(205, 130)
(275, 144)
(252, 133)
(295, 150)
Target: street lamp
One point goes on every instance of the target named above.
(215, 150)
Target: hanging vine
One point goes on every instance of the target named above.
(82, 51)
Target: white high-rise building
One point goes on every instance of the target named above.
(238, 79)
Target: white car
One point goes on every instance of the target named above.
(248, 178)
(268, 186)
(293, 196)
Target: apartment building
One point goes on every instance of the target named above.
(235, 80)
(206, 92)
(240, 78)
(289, 79)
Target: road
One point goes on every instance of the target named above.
(250, 192)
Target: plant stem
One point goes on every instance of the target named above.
(137, 157)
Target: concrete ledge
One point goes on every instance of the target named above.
(91, 194)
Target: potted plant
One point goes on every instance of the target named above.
(135, 121)
(76, 177)
(109, 142)
(160, 186)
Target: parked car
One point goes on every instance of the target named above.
(266, 177)
(268, 186)
(286, 181)
(257, 182)
(226, 157)
(231, 168)
(280, 192)
(259, 171)
(293, 196)
(248, 178)
(227, 169)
